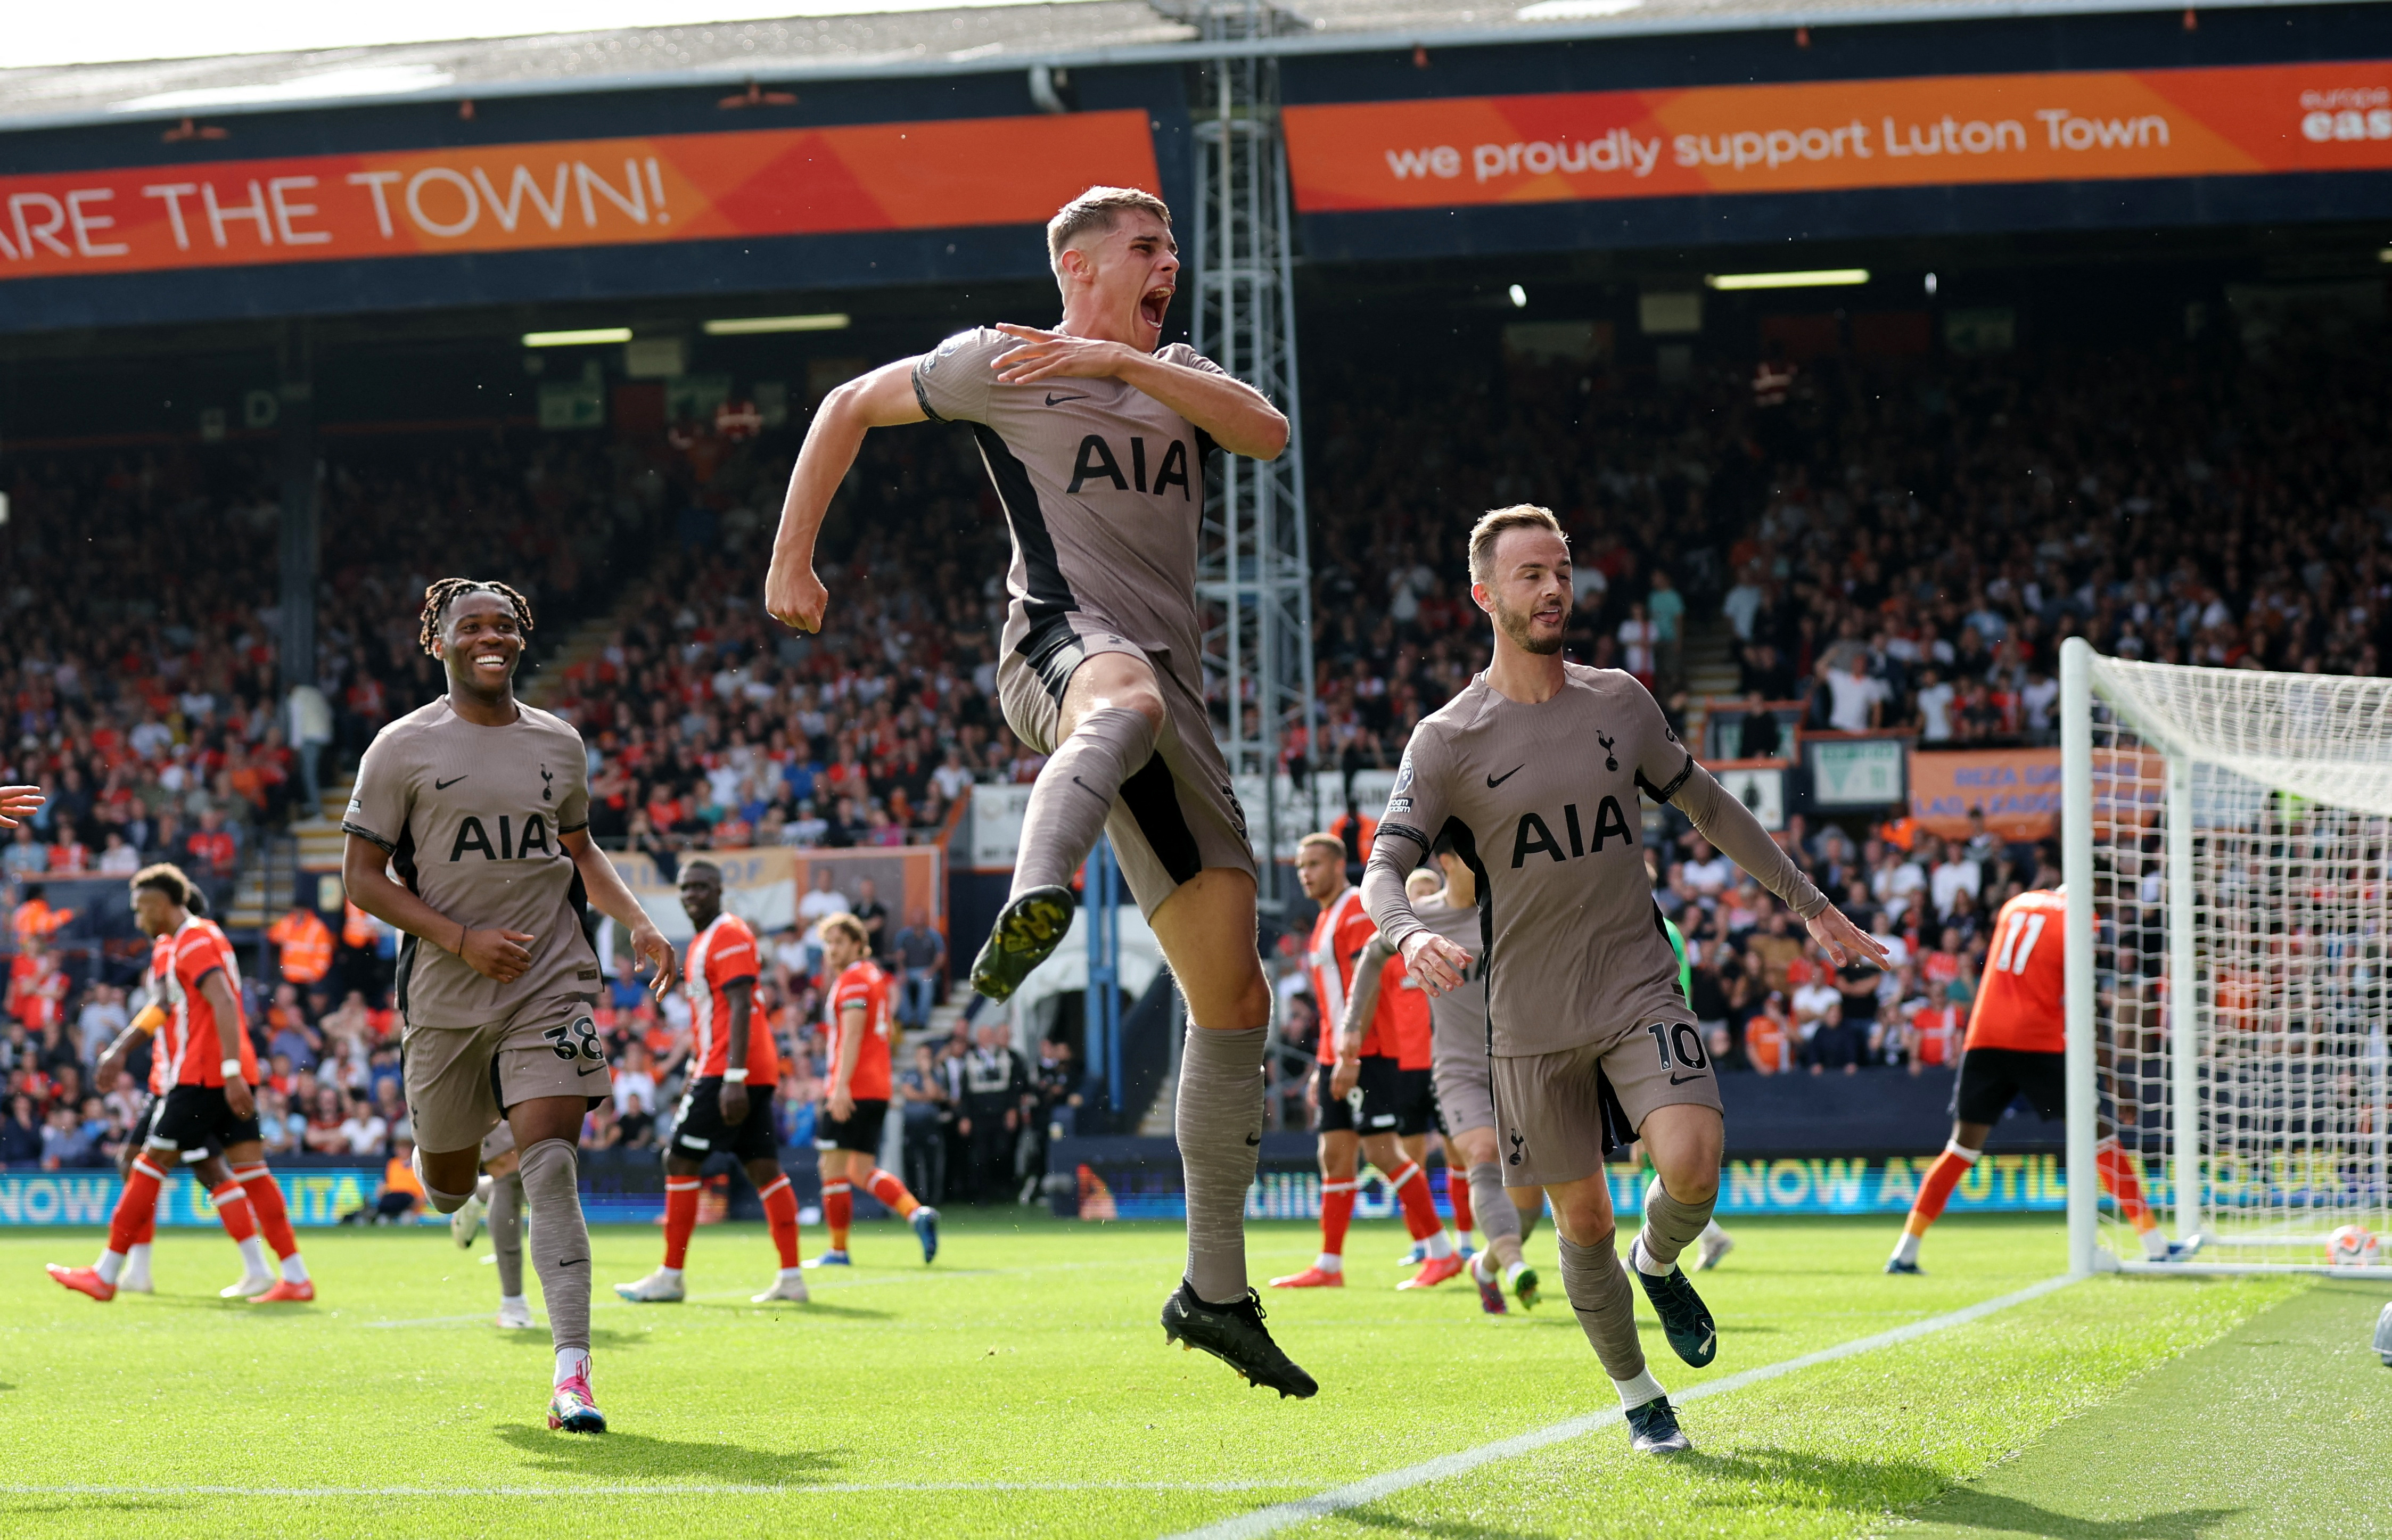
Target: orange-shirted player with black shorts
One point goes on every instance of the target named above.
(202, 1069)
(855, 1103)
(2016, 1046)
(1398, 1008)
(1359, 1084)
(728, 1108)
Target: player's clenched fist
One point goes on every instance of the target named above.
(794, 596)
(1436, 963)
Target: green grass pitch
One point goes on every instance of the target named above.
(1021, 1387)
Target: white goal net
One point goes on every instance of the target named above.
(2230, 831)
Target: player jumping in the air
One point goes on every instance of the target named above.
(482, 806)
(1465, 1096)
(203, 1069)
(1532, 772)
(1096, 438)
(733, 1068)
(856, 1015)
(2016, 1047)
(1356, 1084)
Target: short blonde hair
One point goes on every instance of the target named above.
(849, 926)
(1321, 837)
(1097, 209)
(1421, 883)
(1492, 526)
(167, 879)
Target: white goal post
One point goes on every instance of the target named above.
(2226, 836)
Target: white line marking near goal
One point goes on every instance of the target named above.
(1280, 1516)
(631, 1489)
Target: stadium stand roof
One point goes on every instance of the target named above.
(968, 40)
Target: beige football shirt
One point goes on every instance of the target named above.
(471, 816)
(1104, 489)
(1541, 800)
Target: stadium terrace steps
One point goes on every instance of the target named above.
(1711, 670)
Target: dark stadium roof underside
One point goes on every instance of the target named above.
(972, 40)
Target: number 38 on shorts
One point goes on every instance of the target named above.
(577, 1038)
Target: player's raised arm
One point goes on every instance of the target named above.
(1669, 774)
(884, 398)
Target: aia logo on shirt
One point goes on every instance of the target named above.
(1535, 835)
(1098, 462)
(473, 834)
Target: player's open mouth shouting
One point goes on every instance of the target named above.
(1155, 305)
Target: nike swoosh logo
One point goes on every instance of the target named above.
(444, 785)
(1253, 1139)
(1674, 1079)
(1054, 400)
(596, 1068)
(574, 1262)
(1495, 780)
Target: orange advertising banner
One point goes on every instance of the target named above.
(1942, 131)
(594, 192)
(2017, 789)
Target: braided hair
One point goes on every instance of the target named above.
(436, 598)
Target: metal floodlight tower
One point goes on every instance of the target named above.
(1254, 568)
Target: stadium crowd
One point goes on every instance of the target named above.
(1889, 544)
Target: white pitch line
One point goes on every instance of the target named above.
(1280, 1516)
(629, 1489)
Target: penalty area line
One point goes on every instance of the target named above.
(1280, 1516)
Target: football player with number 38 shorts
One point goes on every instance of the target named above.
(1532, 772)
(481, 806)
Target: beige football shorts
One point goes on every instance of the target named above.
(1557, 1115)
(461, 1079)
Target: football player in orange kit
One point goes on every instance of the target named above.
(1359, 1085)
(2016, 1047)
(728, 1108)
(202, 1071)
(856, 1017)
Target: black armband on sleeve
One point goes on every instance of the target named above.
(363, 833)
(922, 397)
(1663, 793)
(1407, 831)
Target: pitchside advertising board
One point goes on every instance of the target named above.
(1998, 1185)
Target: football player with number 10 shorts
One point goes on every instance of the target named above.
(1532, 772)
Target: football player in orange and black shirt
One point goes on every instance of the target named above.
(856, 1017)
(202, 1070)
(2017, 1046)
(728, 1108)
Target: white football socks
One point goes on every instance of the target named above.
(1645, 1263)
(1329, 1261)
(294, 1269)
(572, 1364)
(252, 1258)
(1905, 1251)
(110, 1267)
(1440, 1245)
(1637, 1391)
